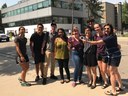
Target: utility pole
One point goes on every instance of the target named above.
(120, 3)
(72, 13)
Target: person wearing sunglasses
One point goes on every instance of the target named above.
(114, 56)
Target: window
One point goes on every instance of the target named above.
(26, 9)
(40, 5)
(22, 10)
(11, 13)
(34, 7)
(30, 8)
(46, 3)
(65, 5)
(17, 11)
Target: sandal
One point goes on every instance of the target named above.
(93, 86)
(25, 84)
(67, 80)
(104, 86)
(110, 93)
(62, 81)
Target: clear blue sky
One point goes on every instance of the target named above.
(12, 2)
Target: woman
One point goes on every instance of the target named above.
(101, 54)
(90, 60)
(20, 42)
(62, 54)
(76, 47)
(114, 55)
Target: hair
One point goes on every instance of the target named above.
(111, 28)
(20, 29)
(53, 24)
(88, 27)
(75, 28)
(90, 20)
(99, 26)
(65, 38)
(40, 24)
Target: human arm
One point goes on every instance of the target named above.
(95, 42)
(31, 48)
(19, 52)
(119, 46)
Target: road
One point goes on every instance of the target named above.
(10, 71)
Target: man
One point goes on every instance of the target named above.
(36, 41)
(49, 57)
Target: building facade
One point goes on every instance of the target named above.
(112, 14)
(30, 12)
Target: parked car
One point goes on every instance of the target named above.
(4, 37)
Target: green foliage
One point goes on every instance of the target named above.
(4, 6)
(125, 12)
(95, 8)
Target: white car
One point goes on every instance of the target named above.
(4, 37)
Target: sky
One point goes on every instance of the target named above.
(12, 2)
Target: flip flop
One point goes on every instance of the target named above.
(110, 93)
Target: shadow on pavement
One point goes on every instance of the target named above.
(8, 64)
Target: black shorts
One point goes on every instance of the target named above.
(39, 58)
(90, 60)
(18, 59)
(103, 58)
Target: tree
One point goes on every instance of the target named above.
(125, 13)
(94, 6)
(4, 6)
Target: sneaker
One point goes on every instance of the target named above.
(44, 81)
(120, 89)
(20, 80)
(37, 78)
(53, 77)
(81, 82)
(25, 84)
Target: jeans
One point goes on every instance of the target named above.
(77, 64)
(63, 63)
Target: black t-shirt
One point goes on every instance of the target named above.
(111, 43)
(22, 44)
(37, 40)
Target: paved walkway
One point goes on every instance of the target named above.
(9, 85)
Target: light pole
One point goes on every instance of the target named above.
(121, 18)
(72, 13)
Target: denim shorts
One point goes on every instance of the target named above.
(114, 59)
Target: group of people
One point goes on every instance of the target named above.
(99, 47)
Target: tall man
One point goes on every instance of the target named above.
(49, 57)
(36, 41)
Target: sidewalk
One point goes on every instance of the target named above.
(10, 85)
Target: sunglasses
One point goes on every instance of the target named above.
(107, 28)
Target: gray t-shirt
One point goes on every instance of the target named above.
(50, 38)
